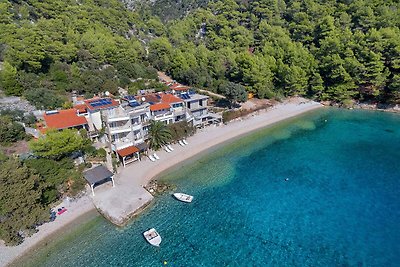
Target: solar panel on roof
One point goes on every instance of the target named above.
(134, 104)
(130, 97)
(185, 96)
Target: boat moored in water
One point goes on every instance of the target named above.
(152, 237)
(183, 197)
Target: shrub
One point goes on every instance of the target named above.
(10, 131)
(181, 130)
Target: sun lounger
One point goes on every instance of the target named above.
(181, 143)
(170, 148)
(167, 149)
(156, 156)
(185, 142)
(152, 158)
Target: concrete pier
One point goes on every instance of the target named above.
(120, 203)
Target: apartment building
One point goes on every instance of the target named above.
(197, 106)
(125, 122)
(126, 125)
(93, 110)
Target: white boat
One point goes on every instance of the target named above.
(152, 237)
(183, 197)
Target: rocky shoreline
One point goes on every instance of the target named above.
(155, 187)
(366, 106)
(378, 107)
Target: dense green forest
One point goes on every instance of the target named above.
(324, 49)
(327, 50)
(50, 48)
(30, 185)
(336, 50)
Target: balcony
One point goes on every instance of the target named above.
(121, 144)
(179, 112)
(138, 112)
(137, 127)
(138, 140)
(120, 129)
(117, 114)
(198, 108)
(168, 115)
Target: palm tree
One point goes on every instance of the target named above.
(159, 135)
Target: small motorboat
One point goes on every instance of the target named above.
(183, 197)
(152, 237)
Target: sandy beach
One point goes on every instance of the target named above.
(136, 175)
(212, 136)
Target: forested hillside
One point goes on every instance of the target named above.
(324, 49)
(328, 50)
(53, 47)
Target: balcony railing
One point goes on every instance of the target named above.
(164, 115)
(123, 128)
(116, 114)
(122, 143)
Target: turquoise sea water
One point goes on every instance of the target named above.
(340, 206)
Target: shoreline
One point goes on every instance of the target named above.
(204, 140)
(121, 202)
(212, 138)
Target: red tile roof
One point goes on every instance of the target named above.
(64, 119)
(82, 108)
(148, 98)
(179, 87)
(185, 88)
(169, 98)
(159, 106)
(127, 151)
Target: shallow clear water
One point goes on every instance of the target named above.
(340, 206)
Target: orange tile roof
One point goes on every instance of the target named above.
(185, 88)
(179, 87)
(64, 119)
(127, 151)
(148, 98)
(159, 106)
(169, 98)
(82, 108)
